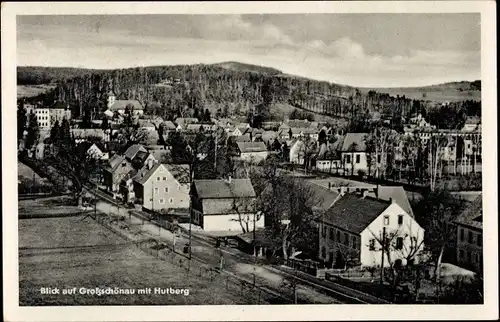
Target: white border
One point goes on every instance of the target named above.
(304, 312)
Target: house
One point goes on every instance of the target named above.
(354, 228)
(241, 130)
(269, 136)
(126, 187)
(328, 159)
(121, 106)
(81, 135)
(108, 113)
(132, 151)
(225, 205)
(117, 168)
(97, 153)
(182, 122)
(195, 128)
(168, 126)
(163, 186)
(146, 125)
(469, 242)
(251, 151)
(472, 124)
(297, 152)
(354, 154)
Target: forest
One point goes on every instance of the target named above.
(177, 91)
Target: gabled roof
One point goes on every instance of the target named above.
(249, 147)
(472, 216)
(359, 139)
(243, 129)
(121, 104)
(268, 135)
(397, 194)
(179, 171)
(115, 161)
(217, 189)
(169, 125)
(196, 127)
(354, 213)
(323, 197)
(182, 121)
(241, 138)
(133, 150)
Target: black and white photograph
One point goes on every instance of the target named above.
(323, 158)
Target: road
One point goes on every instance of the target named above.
(239, 263)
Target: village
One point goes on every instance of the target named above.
(332, 204)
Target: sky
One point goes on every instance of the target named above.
(365, 50)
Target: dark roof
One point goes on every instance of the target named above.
(115, 161)
(169, 125)
(249, 147)
(179, 171)
(396, 193)
(358, 138)
(323, 197)
(241, 138)
(235, 188)
(121, 104)
(354, 213)
(297, 123)
(473, 215)
(133, 150)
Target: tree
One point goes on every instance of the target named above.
(435, 146)
(322, 137)
(105, 124)
(436, 211)
(206, 116)
(33, 132)
(21, 121)
(55, 132)
(383, 141)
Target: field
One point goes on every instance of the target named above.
(77, 252)
(32, 90)
(26, 172)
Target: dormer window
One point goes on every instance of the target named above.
(123, 164)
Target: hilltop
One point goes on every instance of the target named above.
(242, 67)
(453, 91)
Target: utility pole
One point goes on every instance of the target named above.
(190, 206)
(383, 253)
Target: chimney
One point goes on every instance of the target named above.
(390, 200)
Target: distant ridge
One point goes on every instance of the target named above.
(242, 67)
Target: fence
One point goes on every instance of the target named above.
(255, 294)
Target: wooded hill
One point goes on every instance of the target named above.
(171, 91)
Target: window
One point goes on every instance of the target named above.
(166, 189)
(358, 158)
(323, 231)
(462, 234)
(471, 237)
(346, 239)
(399, 243)
(156, 190)
(480, 240)
(371, 244)
(123, 164)
(162, 201)
(157, 178)
(338, 236)
(354, 242)
(323, 252)
(164, 178)
(386, 220)
(400, 220)
(378, 158)
(348, 159)
(171, 200)
(331, 233)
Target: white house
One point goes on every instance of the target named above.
(121, 106)
(94, 152)
(225, 205)
(162, 186)
(352, 232)
(297, 152)
(353, 153)
(252, 151)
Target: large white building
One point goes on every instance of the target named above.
(46, 117)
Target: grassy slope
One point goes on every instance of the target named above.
(52, 254)
(32, 90)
